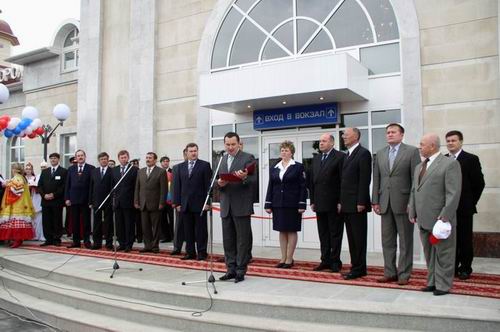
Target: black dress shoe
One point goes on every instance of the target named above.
(109, 246)
(352, 276)
(120, 248)
(127, 249)
(239, 278)
(144, 250)
(155, 251)
(46, 244)
(74, 245)
(288, 265)
(164, 241)
(279, 265)
(428, 289)
(88, 245)
(175, 252)
(188, 257)
(202, 257)
(96, 247)
(321, 267)
(57, 243)
(463, 275)
(438, 292)
(228, 276)
(336, 268)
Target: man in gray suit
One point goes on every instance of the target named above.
(236, 203)
(434, 196)
(149, 197)
(393, 168)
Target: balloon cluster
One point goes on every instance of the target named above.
(29, 125)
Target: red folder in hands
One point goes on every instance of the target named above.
(229, 177)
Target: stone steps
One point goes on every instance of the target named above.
(154, 304)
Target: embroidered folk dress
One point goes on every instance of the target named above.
(16, 211)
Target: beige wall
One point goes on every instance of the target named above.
(461, 85)
(179, 30)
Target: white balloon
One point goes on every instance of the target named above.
(30, 112)
(28, 130)
(13, 123)
(36, 123)
(61, 112)
(4, 93)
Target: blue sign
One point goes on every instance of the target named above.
(300, 116)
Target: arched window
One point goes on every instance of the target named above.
(70, 51)
(253, 31)
(16, 151)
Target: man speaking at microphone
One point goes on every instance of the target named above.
(236, 202)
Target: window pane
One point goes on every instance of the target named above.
(221, 130)
(69, 60)
(316, 9)
(72, 144)
(274, 154)
(224, 37)
(354, 120)
(320, 43)
(386, 117)
(13, 157)
(269, 13)
(21, 155)
(349, 25)
(273, 51)
(245, 128)
(378, 139)
(384, 20)
(68, 41)
(304, 31)
(247, 44)
(285, 35)
(245, 4)
(381, 59)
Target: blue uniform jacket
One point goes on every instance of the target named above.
(289, 192)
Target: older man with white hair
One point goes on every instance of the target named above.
(434, 196)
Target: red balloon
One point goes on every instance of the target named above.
(3, 123)
(6, 117)
(39, 131)
(33, 135)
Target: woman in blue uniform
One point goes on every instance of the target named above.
(286, 200)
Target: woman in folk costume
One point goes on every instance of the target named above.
(16, 210)
(36, 199)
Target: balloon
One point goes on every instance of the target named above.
(28, 131)
(4, 93)
(36, 123)
(17, 130)
(32, 135)
(39, 131)
(30, 112)
(24, 123)
(3, 123)
(8, 133)
(6, 117)
(13, 123)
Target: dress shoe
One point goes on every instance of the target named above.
(95, 247)
(336, 268)
(109, 246)
(352, 276)
(321, 267)
(202, 257)
(74, 245)
(228, 276)
(57, 243)
(16, 244)
(164, 241)
(403, 282)
(288, 265)
(428, 289)
(279, 265)
(385, 279)
(188, 257)
(144, 250)
(127, 249)
(239, 278)
(463, 275)
(87, 245)
(120, 248)
(438, 292)
(46, 244)
(155, 251)
(175, 252)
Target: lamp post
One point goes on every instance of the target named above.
(4, 93)
(61, 112)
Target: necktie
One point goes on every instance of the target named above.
(423, 170)
(323, 158)
(392, 157)
(53, 171)
(102, 172)
(348, 153)
(122, 171)
(190, 167)
(229, 161)
(80, 169)
(148, 172)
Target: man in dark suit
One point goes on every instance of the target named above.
(190, 187)
(123, 198)
(236, 202)
(179, 225)
(435, 194)
(325, 195)
(392, 179)
(167, 215)
(472, 188)
(100, 186)
(51, 188)
(355, 199)
(150, 191)
(77, 198)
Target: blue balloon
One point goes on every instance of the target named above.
(8, 133)
(24, 123)
(17, 130)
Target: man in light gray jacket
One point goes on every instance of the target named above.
(393, 169)
(434, 196)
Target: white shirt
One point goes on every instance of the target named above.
(103, 169)
(284, 168)
(456, 154)
(351, 149)
(53, 169)
(432, 158)
(395, 147)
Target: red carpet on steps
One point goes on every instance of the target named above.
(486, 285)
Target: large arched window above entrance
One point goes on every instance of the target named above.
(253, 31)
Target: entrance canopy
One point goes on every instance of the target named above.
(300, 81)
